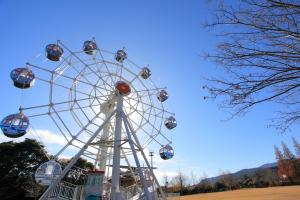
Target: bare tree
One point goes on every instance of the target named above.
(291, 162)
(281, 163)
(297, 161)
(271, 177)
(261, 54)
(179, 181)
(193, 178)
(297, 146)
(227, 179)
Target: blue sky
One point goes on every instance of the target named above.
(169, 36)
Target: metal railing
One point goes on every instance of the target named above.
(66, 191)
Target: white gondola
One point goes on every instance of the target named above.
(166, 152)
(47, 172)
(22, 78)
(145, 73)
(90, 47)
(120, 56)
(170, 122)
(15, 125)
(162, 95)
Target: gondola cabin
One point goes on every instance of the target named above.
(47, 172)
(90, 47)
(170, 122)
(145, 73)
(166, 152)
(120, 56)
(14, 125)
(162, 95)
(54, 52)
(93, 188)
(22, 78)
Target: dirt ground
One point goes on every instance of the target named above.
(273, 193)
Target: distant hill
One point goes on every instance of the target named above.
(249, 172)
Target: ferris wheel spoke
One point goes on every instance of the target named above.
(84, 129)
(145, 110)
(120, 65)
(60, 69)
(59, 103)
(99, 78)
(81, 109)
(62, 121)
(83, 143)
(134, 64)
(88, 157)
(105, 83)
(147, 104)
(61, 110)
(149, 90)
(81, 74)
(102, 77)
(80, 60)
(61, 75)
(140, 128)
(59, 128)
(76, 119)
(102, 57)
(156, 129)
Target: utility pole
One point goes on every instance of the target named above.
(151, 154)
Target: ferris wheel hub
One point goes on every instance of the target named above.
(123, 88)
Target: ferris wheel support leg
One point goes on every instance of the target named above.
(129, 166)
(74, 159)
(142, 177)
(115, 178)
(145, 158)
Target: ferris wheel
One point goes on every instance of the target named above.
(106, 108)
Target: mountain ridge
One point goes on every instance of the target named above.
(242, 172)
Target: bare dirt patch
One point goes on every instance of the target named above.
(272, 193)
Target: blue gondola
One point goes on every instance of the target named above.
(54, 52)
(89, 47)
(47, 172)
(145, 73)
(22, 77)
(162, 95)
(170, 122)
(14, 125)
(120, 56)
(166, 152)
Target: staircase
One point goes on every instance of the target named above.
(66, 191)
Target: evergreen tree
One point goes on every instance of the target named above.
(18, 162)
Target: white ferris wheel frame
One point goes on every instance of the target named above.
(122, 114)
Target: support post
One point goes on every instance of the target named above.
(151, 154)
(142, 177)
(145, 158)
(74, 159)
(115, 178)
